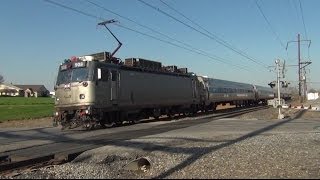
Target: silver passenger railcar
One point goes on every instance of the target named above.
(235, 93)
(263, 94)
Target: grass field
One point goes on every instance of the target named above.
(15, 108)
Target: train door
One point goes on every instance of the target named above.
(102, 86)
(194, 89)
(114, 74)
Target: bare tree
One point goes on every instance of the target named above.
(1, 79)
(312, 90)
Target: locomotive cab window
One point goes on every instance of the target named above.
(113, 75)
(102, 74)
(72, 73)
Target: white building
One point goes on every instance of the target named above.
(313, 96)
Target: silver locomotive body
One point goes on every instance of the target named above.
(90, 93)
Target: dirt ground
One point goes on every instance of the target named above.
(27, 123)
(270, 113)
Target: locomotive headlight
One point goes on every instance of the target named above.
(56, 113)
(82, 96)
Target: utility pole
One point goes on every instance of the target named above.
(301, 99)
(299, 66)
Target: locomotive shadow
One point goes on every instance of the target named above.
(206, 150)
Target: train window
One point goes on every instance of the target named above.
(104, 74)
(114, 75)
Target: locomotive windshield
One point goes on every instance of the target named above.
(73, 75)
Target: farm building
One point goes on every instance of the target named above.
(10, 90)
(23, 90)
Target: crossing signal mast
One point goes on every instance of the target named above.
(280, 70)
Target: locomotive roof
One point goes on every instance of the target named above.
(139, 69)
(264, 88)
(228, 84)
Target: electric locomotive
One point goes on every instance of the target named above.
(96, 90)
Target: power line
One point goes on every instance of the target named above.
(175, 10)
(305, 29)
(173, 44)
(220, 40)
(155, 31)
(304, 25)
(199, 26)
(213, 37)
(268, 22)
(70, 8)
(296, 10)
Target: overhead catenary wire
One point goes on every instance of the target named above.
(269, 24)
(199, 26)
(304, 25)
(155, 31)
(213, 37)
(73, 9)
(296, 12)
(173, 44)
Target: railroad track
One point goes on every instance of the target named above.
(66, 150)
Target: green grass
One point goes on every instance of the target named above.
(16, 108)
(25, 101)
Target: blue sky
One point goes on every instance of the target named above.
(35, 36)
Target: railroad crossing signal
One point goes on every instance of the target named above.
(284, 84)
(272, 84)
